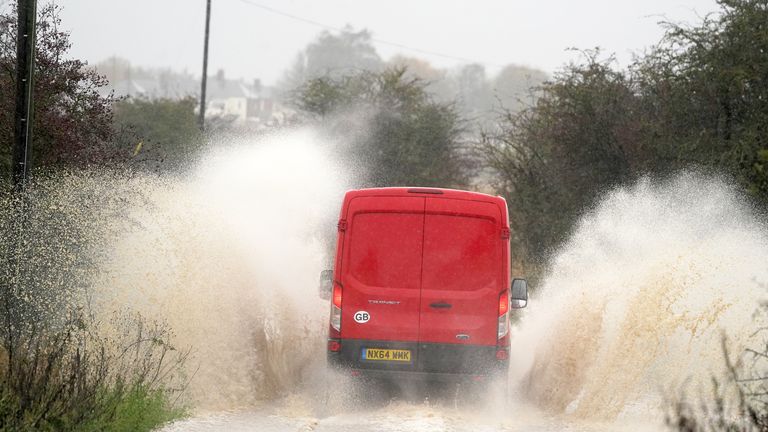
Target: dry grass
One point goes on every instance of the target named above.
(72, 378)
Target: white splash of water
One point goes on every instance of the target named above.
(636, 301)
(229, 257)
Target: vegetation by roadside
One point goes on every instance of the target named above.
(68, 377)
(695, 100)
(68, 360)
(73, 120)
(390, 125)
(735, 402)
(698, 98)
(157, 134)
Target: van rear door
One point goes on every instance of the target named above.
(462, 273)
(381, 272)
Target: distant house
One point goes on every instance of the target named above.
(162, 86)
(241, 101)
(228, 98)
(235, 100)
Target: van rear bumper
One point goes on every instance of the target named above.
(428, 360)
(420, 377)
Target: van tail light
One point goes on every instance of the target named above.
(503, 314)
(336, 308)
(337, 295)
(334, 345)
(503, 302)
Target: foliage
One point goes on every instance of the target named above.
(477, 96)
(553, 159)
(69, 378)
(474, 94)
(698, 98)
(157, 131)
(143, 409)
(512, 86)
(333, 56)
(117, 70)
(406, 138)
(737, 403)
(63, 366)
(72, 121)
(705, 93)
(474, 91)
(480, 97)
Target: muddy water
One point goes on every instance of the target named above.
(632, 310)
(229, 257)
(636, 304)
(633, 307)
(396, 416)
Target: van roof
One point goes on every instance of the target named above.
(427, 192)
(423, 191)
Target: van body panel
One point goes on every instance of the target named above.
(382, 273)
(462, 272)
(427, 266)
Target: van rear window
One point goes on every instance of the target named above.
(386, 249)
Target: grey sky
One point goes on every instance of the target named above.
(250, 42)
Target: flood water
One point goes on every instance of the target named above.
(631, 311)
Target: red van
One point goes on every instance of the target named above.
(421, 284)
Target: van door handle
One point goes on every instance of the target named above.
(440, 305)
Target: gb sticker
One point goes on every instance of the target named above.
(362, 317)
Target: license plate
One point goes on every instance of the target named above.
(378, 354)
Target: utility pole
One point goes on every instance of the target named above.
(22, 147)
(25, 66)
(205, 65)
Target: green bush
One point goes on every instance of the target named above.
(698, 99)
(394, 128)
(72, 379)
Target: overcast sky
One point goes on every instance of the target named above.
(250, 41)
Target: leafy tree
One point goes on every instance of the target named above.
(474, 91)
(552, 159)
(157, 132)
(705, 93)
(405, 138)
(481, 97)
(416, 68)
(72, 120)
(437, 81)
(512, 86)
(334, 56)
(699, 98)
(116, 69)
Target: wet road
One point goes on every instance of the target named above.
(296, 414)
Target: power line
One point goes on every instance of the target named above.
(375, 40)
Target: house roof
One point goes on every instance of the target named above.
(183, 86)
